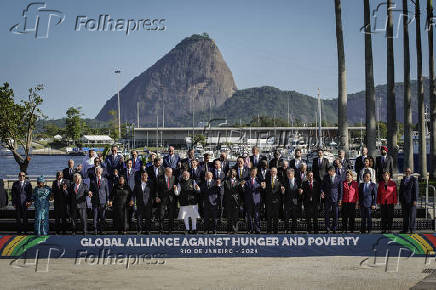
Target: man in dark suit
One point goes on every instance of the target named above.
(206, 165)
(346, 164)
(263, 171)
(136, 160)
(92, 172)
(360, 161)
(166, 200)
(384, 163)
(232, 201)
(144, 202)
(320, 166)
(276, 161)
(171, 160)
(301, 176)
(59, 191)
(273, 190)
(21, 199)
(225, 165)
(256, 158)
(408, 195)
(100, 198)
(296, 162)
(187, 162)
(290, 200)
(367, 202)
(311, 191)
(78, 191)
(155, 172)
(251, 190)
(341, 171)
(218, 172)
(69, 171)
(281, 171)
(138, 173)
(129, 174)
(241, 171)
(113, 161)
(212, 192)
(331, 192)
(195, 172)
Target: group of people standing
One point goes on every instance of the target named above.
(254, 189)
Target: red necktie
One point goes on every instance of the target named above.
(310, 185)
(168, 184)
(133, 163)
(99, 180)
(77, 188)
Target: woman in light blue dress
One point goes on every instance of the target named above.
(41, 199)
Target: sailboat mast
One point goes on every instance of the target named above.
(319, 120)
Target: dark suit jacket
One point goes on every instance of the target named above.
(143, 198)
(221, 176)
(213, 194)
(17, 199)
(273, 194)
(311, 197)
(367, 199)
(381, 166)
(409, 190)
(332, 190)
(172, 163)
(60, 195)
(290, 196)
(100, 194)
(245, 173)
(275, 163)
(263, 176)
(320, 171)
(130, 178)
(359, 164)
(67, 174)
(78, 200)
(260, 158)
(196, 174)
(251, 193)
(91, 173)
(292, 164)
(164, 193)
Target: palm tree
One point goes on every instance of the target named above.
(432, 94)
(391, 106)
(408, 143)
(342, 81)
(371, 133)
(420, 93)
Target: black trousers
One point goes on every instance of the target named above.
(387, 217)
(22, 218)
(365, 219)
(143, 214)
(60, 223)
(81, 214)
(252, 216)
(290, 212)
(99, 212)
(311, 212)
(348, 216)
(169, 208)
(409, 217)
(210, 217)
(232, 215)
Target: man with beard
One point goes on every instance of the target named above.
(188, 192)
(384, 163)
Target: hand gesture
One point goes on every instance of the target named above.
(90, 194)
(175, 187)
(357, 205)
(372, 207)
(157, 200)
(322, 195)
(263, 184)
(28, 203)
(340, 203)
(131, 203)
(242, 182)
(300, 191)
(283, 188)
(109, 203)
(197, 187)
(218, 182)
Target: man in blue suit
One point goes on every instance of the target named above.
(113, 160)
(136, 160)
(332, 194)
(367, 202)
(100, 197)
(171, 160)
(408, 196)
(251, 188)
(21, 200)
(241, 170)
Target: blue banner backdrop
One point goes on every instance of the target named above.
(193, 246)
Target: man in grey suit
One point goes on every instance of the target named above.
(408, 195)
(78, 192)
(100, 188)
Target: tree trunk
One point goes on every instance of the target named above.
(371, 134)
(420, 93)
(342, 81)
(432, 93)
(408, 127)
(391, 105)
